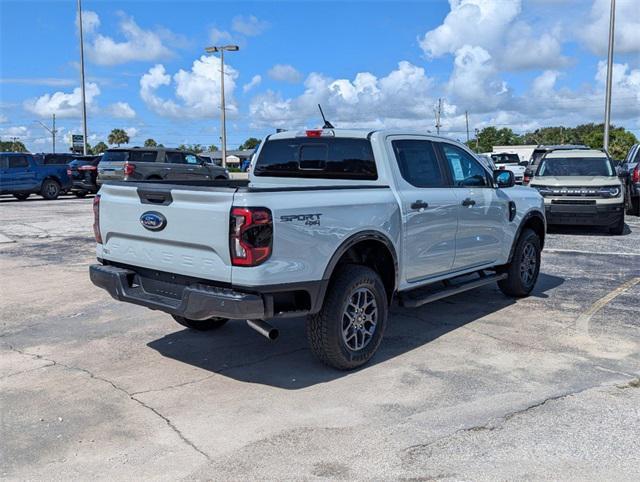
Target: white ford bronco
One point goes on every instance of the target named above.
(331, 225)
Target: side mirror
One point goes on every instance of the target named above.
(622, 172)
(504, 178)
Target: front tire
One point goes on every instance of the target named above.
(634, 206)
(522, 272)
(50, 189)
(201, 325)
(347, 331)
(80, 194)
(618, 228)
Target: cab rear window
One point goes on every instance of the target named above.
(114, 156)
(320, 158)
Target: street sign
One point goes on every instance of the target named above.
(77, 143)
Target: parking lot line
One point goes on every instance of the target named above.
(582, 323)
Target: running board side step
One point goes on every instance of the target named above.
(450, 289)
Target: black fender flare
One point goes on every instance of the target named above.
(530, 215)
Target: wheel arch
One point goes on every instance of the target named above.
(533, 220)
(369, 248)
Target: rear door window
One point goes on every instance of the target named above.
(142, 156)
(418, 163)
(175, 157)
(115, 156)
(321, 158)
(18, 162)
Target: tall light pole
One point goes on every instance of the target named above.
(607, 105)
(223, 127)
(53, 131)
(84, 99)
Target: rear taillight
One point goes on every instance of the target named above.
(96, 219)
(635, 175)
(129, 169)
(526, 179)
(250, 236)
(68, 172)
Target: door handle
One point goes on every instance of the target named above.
(468, 202)
(419, 204)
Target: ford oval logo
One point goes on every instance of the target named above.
(153, 221)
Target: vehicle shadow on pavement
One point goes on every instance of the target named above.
(235, 351)
(585, 230)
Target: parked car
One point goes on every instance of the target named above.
(510, 162)
(55, 159)
(22, 175)
(83, 172)
(541, 151)
(332, 224)
(487, 161)
(157, 163)
(630, 168)
(581, 187)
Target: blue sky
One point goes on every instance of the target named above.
(516, 63)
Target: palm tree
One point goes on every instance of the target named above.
(150, 143)
(118, 136)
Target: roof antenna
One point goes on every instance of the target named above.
(327, 124)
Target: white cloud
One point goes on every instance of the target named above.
(402, 98)
(217, 36)
(197, 92)
(63, 104)
(284, 73)
(3, 118)
(594, 31)
(50, 81)
(14, 131)
(255, 81)
(90, 22)
(131, 132)
(121, 110)
(249, 26)
(494, 25)
(474, 81)
(139, 45)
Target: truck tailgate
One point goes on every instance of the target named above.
(194, 240)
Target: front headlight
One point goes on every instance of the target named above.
(543, 190)
(611, 191)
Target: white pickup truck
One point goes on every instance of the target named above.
(332, 225)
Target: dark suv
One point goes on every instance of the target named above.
(157, 163)
(630, 169)
(83, 172)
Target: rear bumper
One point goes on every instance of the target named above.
(82, 185)
(196, 301)
(588, 215)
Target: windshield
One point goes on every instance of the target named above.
(114, 156)
(505, 158)
(575, 166)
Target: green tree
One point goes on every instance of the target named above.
(250, 143)
(491, 136)
(12, 146)
(100, 147)
(117, 137)
(212, 148)
(150, 143)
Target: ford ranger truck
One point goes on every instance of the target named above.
(332, 225)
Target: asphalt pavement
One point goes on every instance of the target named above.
(474, 387)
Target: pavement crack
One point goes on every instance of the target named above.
(500, 421)
(131, 396)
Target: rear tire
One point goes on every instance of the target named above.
(201, 325)
(80, 194)
(618, 228)
(522, 272)
(347, 331)
(50, 189)
(21, 196)
(634, 207)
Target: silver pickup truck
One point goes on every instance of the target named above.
(331, 225)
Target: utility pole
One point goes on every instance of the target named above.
(466, 118)
(223, 127)
(607, 105)
(438, 112)
(84, 99)
(51, 131)
(477, 140)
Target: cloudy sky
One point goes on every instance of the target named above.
(513, 63)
